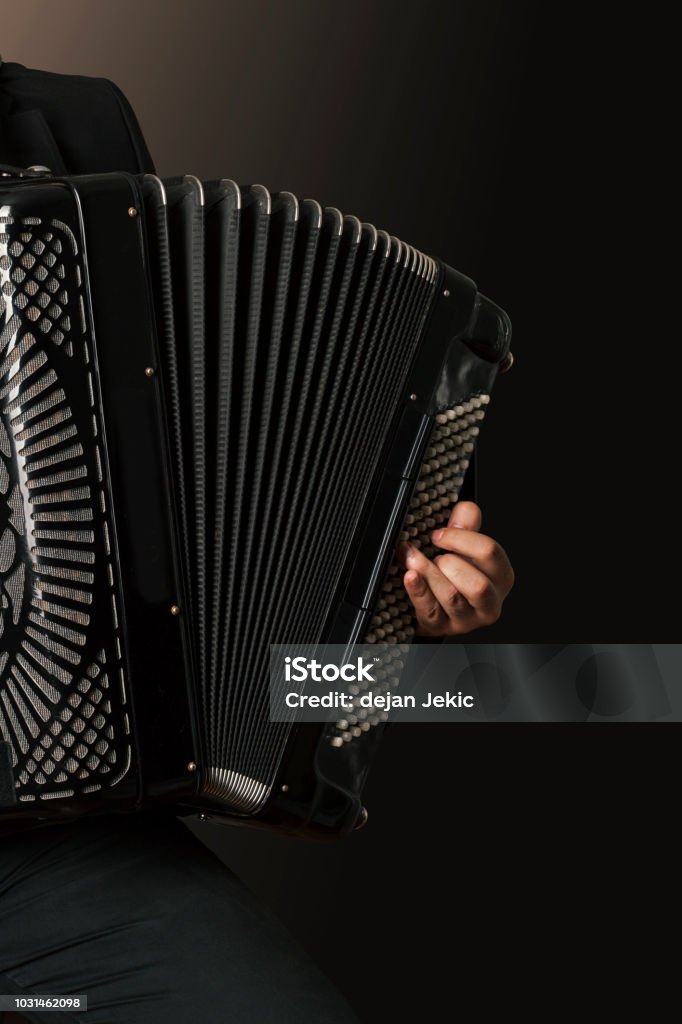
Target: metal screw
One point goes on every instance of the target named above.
(192, 766)
(446, 293)
(149, 371)
(413, 397)
(175, 609)
(362, 820)
(507, 363)
(284, 788)
(132, 211)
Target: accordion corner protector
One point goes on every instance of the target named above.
(220, 409)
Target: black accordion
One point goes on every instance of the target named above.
(220, 408)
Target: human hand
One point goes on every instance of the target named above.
(464, 587)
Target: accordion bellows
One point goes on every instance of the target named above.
(219, 409)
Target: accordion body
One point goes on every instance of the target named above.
(219, 411)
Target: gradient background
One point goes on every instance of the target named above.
(498, 136)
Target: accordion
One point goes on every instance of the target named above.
(220, 408)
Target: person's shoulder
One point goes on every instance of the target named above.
(32, 85)
(23, 77)
(93, 124)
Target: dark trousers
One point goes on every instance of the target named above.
(139, 916)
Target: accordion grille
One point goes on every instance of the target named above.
(63, 704)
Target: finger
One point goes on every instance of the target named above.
(466, 515)
(476, 588)
(441, 587)
(429, 614)
(483, 551)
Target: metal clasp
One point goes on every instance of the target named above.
(35, 171)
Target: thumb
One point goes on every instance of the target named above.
(466, 515)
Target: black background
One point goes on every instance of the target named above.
(504, 138)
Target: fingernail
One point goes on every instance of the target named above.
(437, 535)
